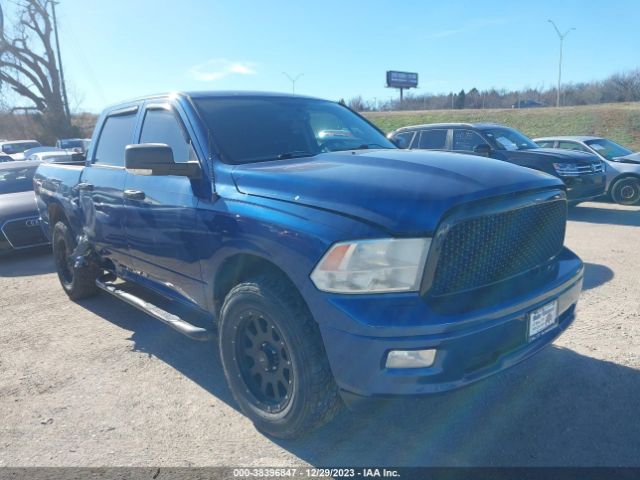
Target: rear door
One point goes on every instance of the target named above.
(101, 187)
(161, 212)
(432, 139)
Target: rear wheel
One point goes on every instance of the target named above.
(274, 360)
(77, 281)
(626, 191)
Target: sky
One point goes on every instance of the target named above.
(117, 49)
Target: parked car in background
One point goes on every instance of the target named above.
(528, 104)
(43, 148)
(332, 265)
(15, 148)
(19, 218)
(622, 164)
(582, 173)
(5, 158)
(61, 156)
(77, 145)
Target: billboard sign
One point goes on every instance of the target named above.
(401, 79)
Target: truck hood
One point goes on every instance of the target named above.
(553, 155)
(403, 191)
(17, 205)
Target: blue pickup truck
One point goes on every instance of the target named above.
(330, 265)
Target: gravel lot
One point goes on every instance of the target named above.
(97, 383)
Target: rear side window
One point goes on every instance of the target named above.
(546, 144)
(432, 139)
(116, 134)
(162, 126)
(403, 140)
(466, 140)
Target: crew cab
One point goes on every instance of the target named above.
(582, 173)
(334, 267)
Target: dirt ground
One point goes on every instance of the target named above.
(98, 383)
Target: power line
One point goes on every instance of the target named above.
(561, 36)
(293, 80)
(62, 84)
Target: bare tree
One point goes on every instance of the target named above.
(28, 66)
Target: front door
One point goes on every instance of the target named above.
(161, 214)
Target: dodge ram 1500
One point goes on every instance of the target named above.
(333, 265)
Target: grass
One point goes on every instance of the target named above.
(618, 121)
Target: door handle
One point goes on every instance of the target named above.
(134, 194)
(85, 187)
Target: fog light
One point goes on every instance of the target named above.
(411, 358)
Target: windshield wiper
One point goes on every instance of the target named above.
(295, 154)
(363, 146)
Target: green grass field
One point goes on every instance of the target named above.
(619, 122)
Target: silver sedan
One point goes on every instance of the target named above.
(622, 164)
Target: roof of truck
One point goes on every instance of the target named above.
(452, 125)
(215, 93)
(577, 138)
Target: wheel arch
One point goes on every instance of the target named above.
(241, 267)
(56, 213)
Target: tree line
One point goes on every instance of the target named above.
(619, 87)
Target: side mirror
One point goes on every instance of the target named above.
(483, 149)
(157, 159)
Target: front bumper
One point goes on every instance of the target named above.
(359, 332)
(585, 187)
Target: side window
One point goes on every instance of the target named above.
(116, 134)
(545, 144)
(403, 140)
(432, 139)
(572, 146)
(466, 140)
(162, 126)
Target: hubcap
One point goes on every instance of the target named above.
(264, 361)
(627, 192)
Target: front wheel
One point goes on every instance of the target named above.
(274, 360)
(77, 281)
(626, 191)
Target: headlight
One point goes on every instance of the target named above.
(373, 266)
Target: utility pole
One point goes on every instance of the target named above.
(293, 80)
(62, 84)
(561, 36)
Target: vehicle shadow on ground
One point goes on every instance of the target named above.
(558, 408)
(26, 263)
(199, 361)
(596, 275)
(604, 215)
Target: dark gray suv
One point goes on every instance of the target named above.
(582, 173)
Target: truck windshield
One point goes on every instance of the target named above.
(16, 180)
(608, 149)
(254, 129)
(508, 139)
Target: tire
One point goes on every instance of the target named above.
(267, 338)
(77, 282)
(626, 191)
